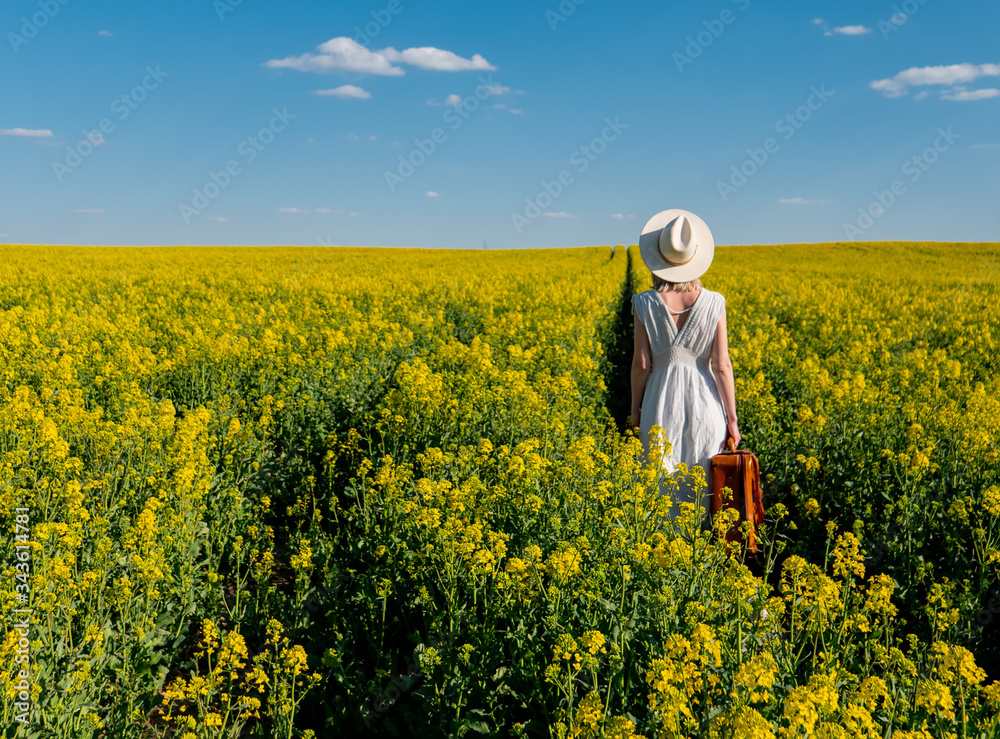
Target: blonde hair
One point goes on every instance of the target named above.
(662, 285)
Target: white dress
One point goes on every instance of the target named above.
(681, 394)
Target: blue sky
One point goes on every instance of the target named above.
(524, 124)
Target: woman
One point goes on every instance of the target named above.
(680, 329)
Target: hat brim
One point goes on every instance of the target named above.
(649, 247)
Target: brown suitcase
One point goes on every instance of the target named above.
(738, 470)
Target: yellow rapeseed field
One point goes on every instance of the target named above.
(298, 492)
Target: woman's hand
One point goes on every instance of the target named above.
(733, 432)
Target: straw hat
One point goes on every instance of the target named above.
(676, 245)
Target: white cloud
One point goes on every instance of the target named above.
(310, 140)
(499, 106)
(218, 219)
(343, 54)
(497, 89)
(842, 30)
(31, 133)
(90, 211)
(921, 95)
(801, 201)
(453, 100)
(292, 210)
(324, 210)
(106, 34)
(427, 57)
(516, 111)
(346, 91)
(373, 138)
(434, 102)
(852, 30)
(948, 75)
(432, 194)
(954, 74)
(560, 214)
(891, 88)
(622, 216)
(347, 55)
(353, 137)
(961, 95)
(353, 214)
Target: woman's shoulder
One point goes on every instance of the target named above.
(716, 303)
(715, 295)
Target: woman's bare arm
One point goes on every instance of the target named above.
(641, 360)
(722, 368)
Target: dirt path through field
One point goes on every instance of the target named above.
(619, 352)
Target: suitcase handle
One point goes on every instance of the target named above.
(731, 442)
